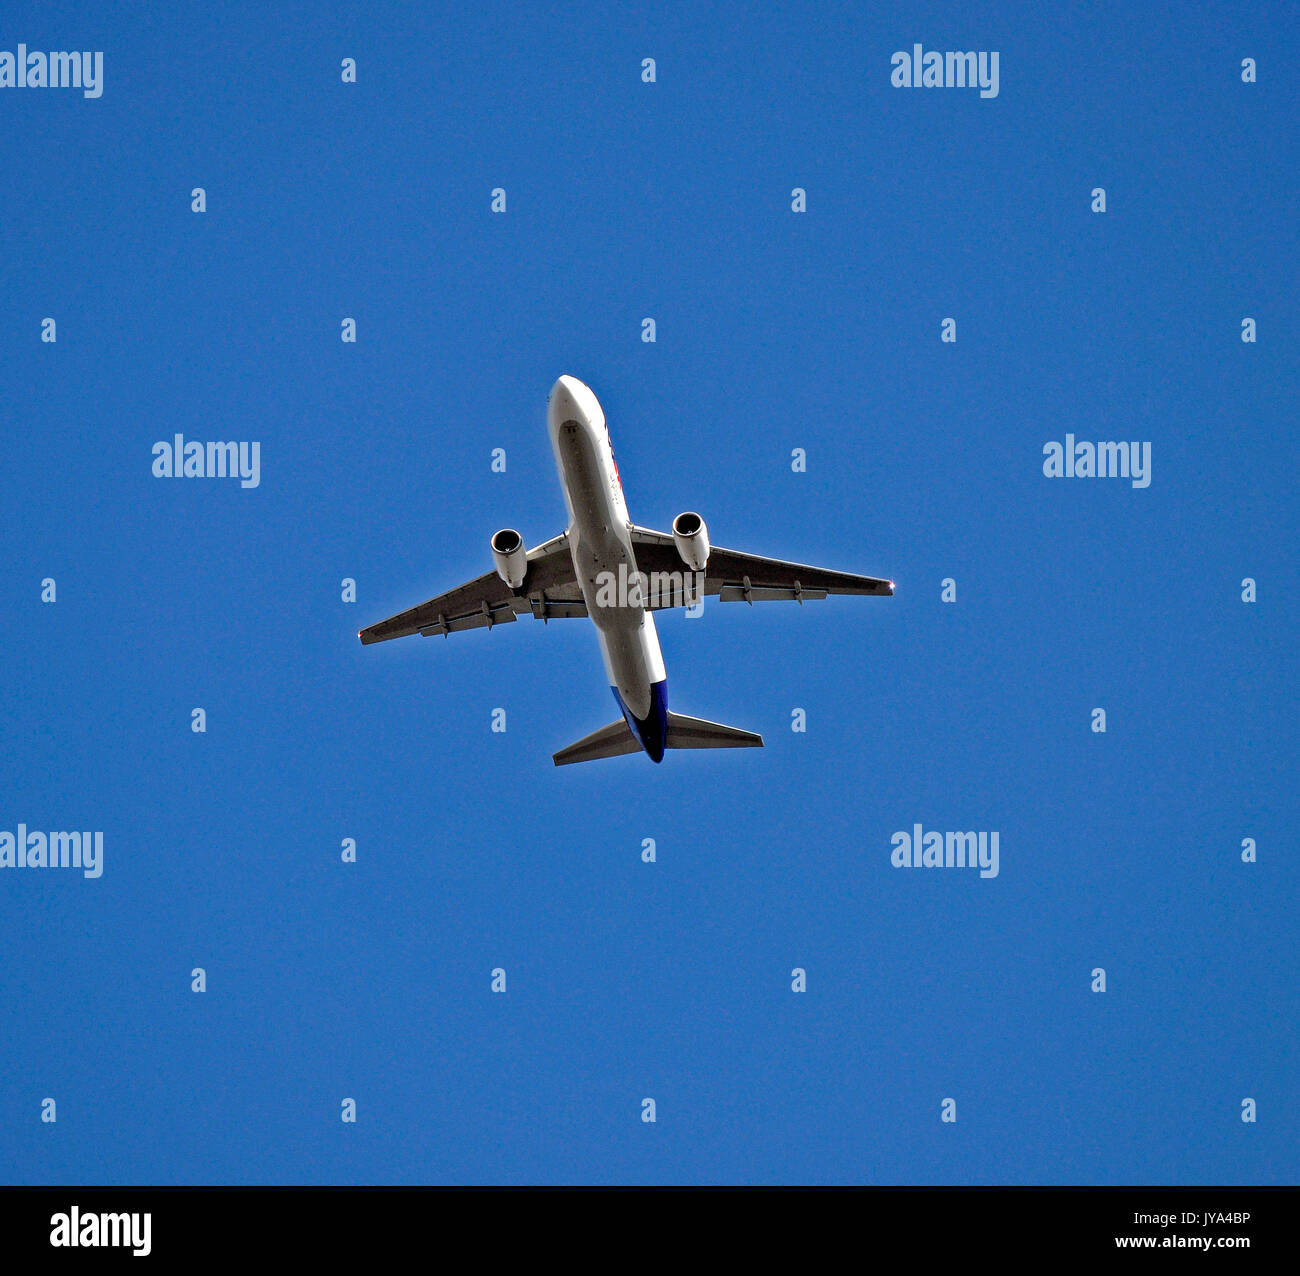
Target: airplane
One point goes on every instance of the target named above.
(616, 574)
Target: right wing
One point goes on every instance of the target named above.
(550, 591)
(736, 577)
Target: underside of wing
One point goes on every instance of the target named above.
(549, 591)
(751, 578)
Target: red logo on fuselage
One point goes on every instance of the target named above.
(618, 478)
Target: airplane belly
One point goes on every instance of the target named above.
(605, 565)
(634, 664)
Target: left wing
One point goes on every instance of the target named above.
(550, 591)
(750, 578)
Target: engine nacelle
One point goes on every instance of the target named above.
(510, 556)
(692, 540)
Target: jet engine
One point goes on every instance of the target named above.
(692, 540)
(510, 556)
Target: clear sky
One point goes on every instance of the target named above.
(775, 331)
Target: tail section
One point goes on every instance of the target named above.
(696, 733)
(682, 733)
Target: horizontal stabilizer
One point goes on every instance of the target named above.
(608, 742)
(696, 733)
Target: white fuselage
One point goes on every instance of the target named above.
(601, 544)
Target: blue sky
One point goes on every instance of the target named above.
(775, 331)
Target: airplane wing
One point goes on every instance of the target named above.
(550, 592)
(750, 578)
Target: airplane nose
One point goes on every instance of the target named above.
(570, 400)
(558, 401)
(562, 393)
